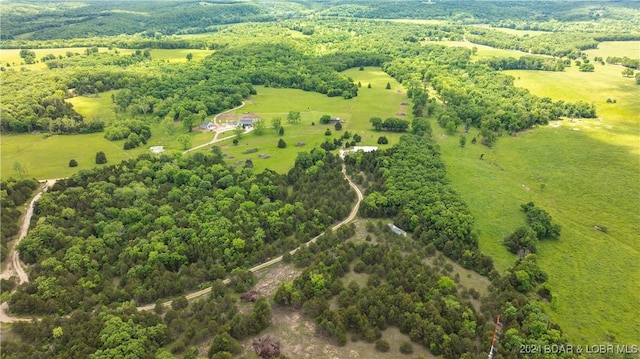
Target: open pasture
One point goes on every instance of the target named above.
(622, 118)
(616, 49)
(483, 51)
(354, 113)
(48, 156)
(585, 173)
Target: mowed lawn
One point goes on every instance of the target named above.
(584, 173)
(354, 114)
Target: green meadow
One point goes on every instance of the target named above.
(354, 114)
(616, 49)
(483, 51)
(11, 57)
(48, 156)
(584, 172)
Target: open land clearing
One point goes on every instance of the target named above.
(584, 173)
(354, 114)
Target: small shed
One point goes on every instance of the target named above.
(397, 230)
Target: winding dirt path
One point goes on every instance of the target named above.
(6, 318)
(14, 265)
(352, 215)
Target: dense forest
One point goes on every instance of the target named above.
(154, 227)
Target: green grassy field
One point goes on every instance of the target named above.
(617, 49)
(355, 114)
(48, 157)
(13, 59)
(590, 170)
(516, 32)
(484, 52)
(95, 107)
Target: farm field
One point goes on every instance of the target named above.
(616, 49)
(12, 56)
(48, 157)
(355, 113)
(584, 173)
(483, 51)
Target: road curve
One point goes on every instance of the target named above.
(14, 265)
(352, 215)
(6, 318)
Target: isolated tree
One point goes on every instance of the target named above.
(294, 117)
(338, 126)
(376, 122)
(451, 127)
(359, 84)
(281, 131)
(382, 140)
(327, 132)
(276, 123)
(361, 68)
(259, 127)
(281, 143)
(235, 141)
(388, 86)
(357, 138)
(189, 56)
(73, 163)
(185, 141)
(101, 158)
(20, 168)
(325, 119)
(463, 140)
(238, 131)
(628, 72)
(169, 126)
(369, 85)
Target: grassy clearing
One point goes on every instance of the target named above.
(11, 57)
(620, 119)
(483, 51)
(516, 32)
(617, 49)
(48, 157)
(590, 172)
(179, 55)
(355, 114)
(94, 107)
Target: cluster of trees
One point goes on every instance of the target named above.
(13, 194)
(135, 131)
(568, 45)
(106, 333)
(477, 95)
(153, 227)
(624, 61)
(401, 291)
(390, 124)
(526, 63)
(408, 183)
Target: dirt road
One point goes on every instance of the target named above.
(352, 215)
(5, 318)
(14, 266)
